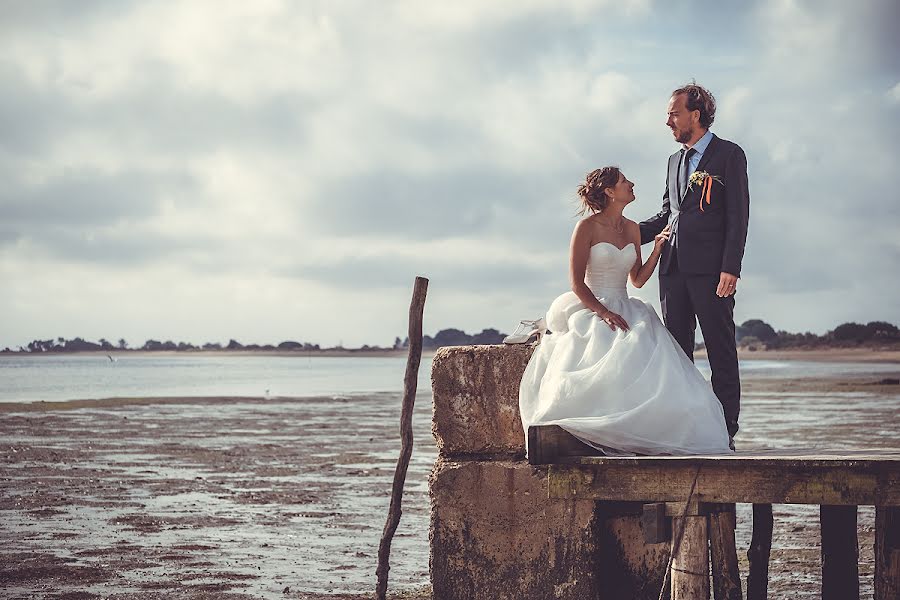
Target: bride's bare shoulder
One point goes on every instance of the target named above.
(584, 228)
(588, 221)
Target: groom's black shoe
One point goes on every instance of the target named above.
(731, 443)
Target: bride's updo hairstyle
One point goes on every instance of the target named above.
(591, 191)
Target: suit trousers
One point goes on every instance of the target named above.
(687, 298)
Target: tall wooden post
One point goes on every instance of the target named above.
(690, 561)
(410, 380)
(840, 553)
(723, 556)
(758, 553)
(887, 553)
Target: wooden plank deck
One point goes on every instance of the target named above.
(703, 490)
(758, 480)
(777, 476)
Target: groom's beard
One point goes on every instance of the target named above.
(683, 136)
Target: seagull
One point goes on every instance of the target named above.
(111, 359)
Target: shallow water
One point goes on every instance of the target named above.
(68, 377)
(83, 376)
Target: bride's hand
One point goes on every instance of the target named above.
(614, 320)
(662, 238)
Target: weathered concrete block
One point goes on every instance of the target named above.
(495, 535)
(476, 400)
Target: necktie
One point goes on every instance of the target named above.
(683, 170)
(682, 188)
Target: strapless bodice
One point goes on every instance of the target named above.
(607, 269)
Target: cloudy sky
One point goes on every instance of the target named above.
(272, 170)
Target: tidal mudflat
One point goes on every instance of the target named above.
(286, 497)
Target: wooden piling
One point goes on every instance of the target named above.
(723, 556)
(690, 562)
(410, 380)
(887, 553)
(840, 553)
(758, 553)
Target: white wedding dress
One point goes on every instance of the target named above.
(631, 392)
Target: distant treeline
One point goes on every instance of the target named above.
(756, 333)
(446, 337)
(456, 337)
(81, 345)
(752, 334)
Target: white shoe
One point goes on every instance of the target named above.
(525, 330)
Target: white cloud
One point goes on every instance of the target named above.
(469, 15)
(206, 169)
(894, 94)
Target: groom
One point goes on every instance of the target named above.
(707, 204)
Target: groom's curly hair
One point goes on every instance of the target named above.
(699, 98)
(592, 192)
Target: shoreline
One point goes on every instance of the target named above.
(860, 355)
(286, 353)
(857, 355)
(51, 405)
(863, 382)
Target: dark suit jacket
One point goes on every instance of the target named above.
(712, 240)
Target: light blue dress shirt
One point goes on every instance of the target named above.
(693, 162)
(700, 148)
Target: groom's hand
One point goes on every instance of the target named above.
(727, 285)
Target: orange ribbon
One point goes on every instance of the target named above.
(707, 190)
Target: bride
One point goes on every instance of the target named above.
(610, 373)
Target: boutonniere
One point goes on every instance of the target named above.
(705, 181)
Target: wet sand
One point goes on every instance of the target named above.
(845, 355)
(239, 498)
(209, 498)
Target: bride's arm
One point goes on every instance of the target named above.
(640, 273)
(579, 252)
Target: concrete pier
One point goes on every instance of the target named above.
(571, 525)
(495, 532)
